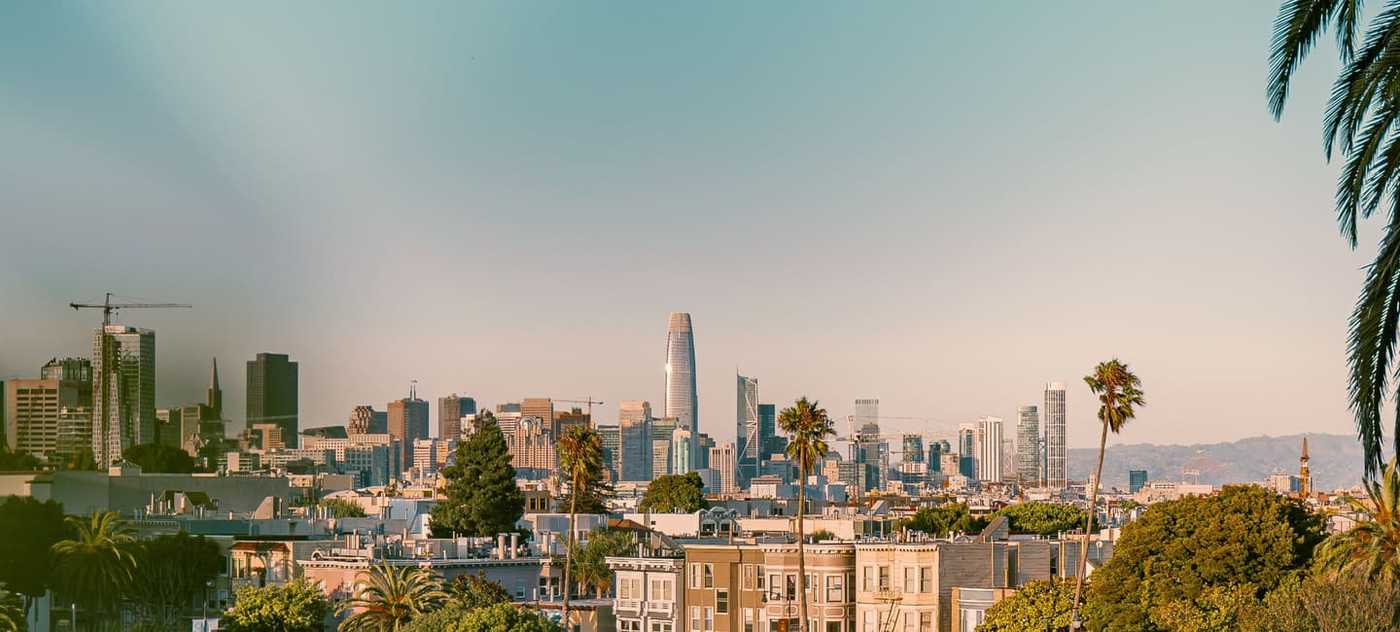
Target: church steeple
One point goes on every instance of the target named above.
(1304, 473)
(216, 395)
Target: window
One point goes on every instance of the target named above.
(833, 626)
(709, 618)
(869, 625)
(759, 572)
(884, 578)
(661, 590)
(791, 587)
(749, 571)
(833, 588)
(695, 575)
(709, 576)
(660, 626)
(629, 588)
(910, 622)
(629, 625)
(775, 587)
(911, 579)
(926, 579)
(869, 585)
(722, 601)
(695, 618)
(925, 622)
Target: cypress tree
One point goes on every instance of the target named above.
(482, 497)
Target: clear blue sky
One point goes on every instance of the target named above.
(943, 205)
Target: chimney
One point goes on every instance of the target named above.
(500, 546)
(514, 544)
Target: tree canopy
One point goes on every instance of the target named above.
(1181, 549)
(944, 519)
(675, 493)
(28, 531)
(157, 458)
(1045, 519)
(341, 508)
(297, 606)
(17, 461)
(1031, 608)
(504, 618)
(482, 498)
(170, 571)
(475, 591)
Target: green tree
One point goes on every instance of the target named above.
(1373, 545)
(94, 568)
(451, 617)
(591, 559)
(944, 520)
(28, 530)
(504, 618)
(475, 591)
(821, 535)
(581, 461)
(675, 493)
(17, 461)
(1360, 125)
(807, 426)
(157, 458)
(341, 508)
(387, 597)
(1038, 605)
(1245, 535)
(82, 460)
(482, 498)
(296, 606)
(1215, 608)
(11, 611)
(1045, 519)
(1349, 601)
(1120, 394)
(170, 571)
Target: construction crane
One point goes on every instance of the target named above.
(587, 400)
(108, 310)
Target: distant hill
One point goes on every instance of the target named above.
(1335, 460)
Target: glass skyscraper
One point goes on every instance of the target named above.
(1055, 472)
(749, 437)
(124, 390)
(1028, 445)
(681, 400)
(272, 395)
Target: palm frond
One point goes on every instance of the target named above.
(1296, 30)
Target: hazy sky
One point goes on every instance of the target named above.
(943, 205)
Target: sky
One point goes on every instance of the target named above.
(942, 205)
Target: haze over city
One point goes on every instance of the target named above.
(506, 200)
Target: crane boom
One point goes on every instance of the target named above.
(109, 308)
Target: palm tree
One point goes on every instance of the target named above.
(807, 426)
(387, 597)
(1120, 394)
(11, 614)
(1361, 125)
(95, 566)
(581, 460)
(1373, 545)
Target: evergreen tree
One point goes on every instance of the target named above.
(482, 497)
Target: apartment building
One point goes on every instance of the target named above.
(723, 592)
(831, 598)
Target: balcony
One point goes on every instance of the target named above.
(629, 605)
(663, 608)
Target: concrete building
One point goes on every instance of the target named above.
(541, 407)
(1055, 454)
(408, 421)
(124, 390)
(724, 461)
(1136, 480)
(611, 437)
(269, 436)
(39, 414)
(273, 394)
(634, 428)
(532, 444)
(367, 420)
(374, 459)
(451, 410)
(989, 449)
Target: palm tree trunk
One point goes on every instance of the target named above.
(802, 549)
(569, 557)
(1088, 525)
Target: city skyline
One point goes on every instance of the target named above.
(635, 197)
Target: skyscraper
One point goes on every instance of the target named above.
(989, 438)
(124, 366)
(722, 462)
(367, 420)
(408, 420)
(214, 394)
(663, 456)
(634, 436)
(747, 433)
(768, 432)
(867, 413)
(1136, 480)
(612, 449)
(1028, 445)
(913, 449)
(968, 449)
(1055, 472)
(34, 412)
(681, 400)
(868, 446)
(272, 394)
(541, 407)
(451, 410)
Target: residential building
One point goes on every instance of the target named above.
(634, 430)
(649, 588)
(1055, 454)
(830, 587)
(722, 593)
(451, 410)
(748, 435)
(681, 400)
(272, 394)
(408, 420)
(124, 390)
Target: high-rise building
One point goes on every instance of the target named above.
(681, 400)
(913, 449)
(989, 439)
(663, 457)
(214, 394)
(936, 449)
(683, 441)
(768, 432)
(367, 420)
(408, 420)
(612, 448)
(451, 410)
(634, 429)
(75, 370)
(703, 444)
(35, 410)
(124, 390)
(565, 419)
(723, 461)
(1028, 445)
(270, 436)
(1055, 465)
(541, 407)
(272, 394)
(1136, 480)
(747, 432)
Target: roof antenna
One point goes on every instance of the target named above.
(413, 389)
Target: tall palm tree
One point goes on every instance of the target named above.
(387, 597)
(95, 566)
(581, 460)
(1120, 394)
(1373, 545)
(807, 426)
(1360, 125)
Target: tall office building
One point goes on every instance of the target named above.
(988, 450)
(1028, 445)
(541, 407)
(634, 430)
(35, 412)
(913, 449)
(451, 410)
(867, 413)
(936, 450)
(1137, 479)
(124, 390)
(367, 420)
(272, 394)
(768, 432)
(408, 420)
(723, 460)
(1055, 471)
(747, 432)
(663, 456)
(681, 400)
(75, 370)
(682, 442)
(612, 448)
